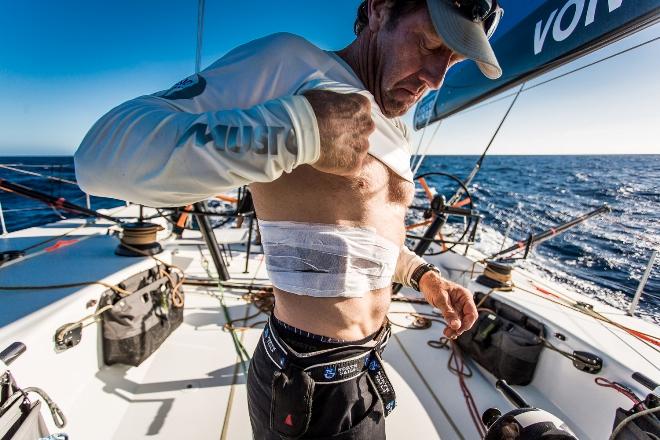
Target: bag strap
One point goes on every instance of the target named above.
(58, 416)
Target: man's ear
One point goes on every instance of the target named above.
(378, 11)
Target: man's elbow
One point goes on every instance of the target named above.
(87, 172)
(98, 178)
(105, 180)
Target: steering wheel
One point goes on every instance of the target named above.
(465, 202)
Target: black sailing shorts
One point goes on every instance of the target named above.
(313, 387)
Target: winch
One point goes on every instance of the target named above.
(497, 275)
(139, 239)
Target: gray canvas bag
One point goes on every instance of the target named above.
(137, 324)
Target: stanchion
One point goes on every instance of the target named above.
(209, 237)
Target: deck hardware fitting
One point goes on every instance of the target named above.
(642, 284)
(587, 362)
(560, 336)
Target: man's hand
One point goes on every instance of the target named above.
(345, 123)
(454, 301)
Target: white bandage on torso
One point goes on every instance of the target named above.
(325, 260)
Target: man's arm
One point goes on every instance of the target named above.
(241, 120)
(454, 301)
(406, 264)
(148, 151)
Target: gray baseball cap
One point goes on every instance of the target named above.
(460, 24)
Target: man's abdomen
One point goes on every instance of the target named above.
(348, 319)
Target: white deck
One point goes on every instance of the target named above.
(193, 387)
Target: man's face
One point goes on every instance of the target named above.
(410, 59)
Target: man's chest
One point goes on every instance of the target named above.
(375, 182)
(307, 194)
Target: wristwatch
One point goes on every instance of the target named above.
(419, 273)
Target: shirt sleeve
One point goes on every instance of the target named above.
(239, 121)
(148, 152)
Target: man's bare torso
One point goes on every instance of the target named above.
(377, 198)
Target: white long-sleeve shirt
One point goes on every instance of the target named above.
(241, 120)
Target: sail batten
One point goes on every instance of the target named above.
(538, 38)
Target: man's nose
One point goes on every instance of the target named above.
(434, 71)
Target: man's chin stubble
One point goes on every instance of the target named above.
(396, 110)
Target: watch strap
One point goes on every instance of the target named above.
(419, 272)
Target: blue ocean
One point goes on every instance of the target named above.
(603, 258)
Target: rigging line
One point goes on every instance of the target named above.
(477, 167)
(54, 238)
(603, 382)
(485, 104)
(426, 124)
(618, 336)
(421, 158)
(26, 209)
(200, 35)
(629, 419)
(239, 348)
(67, 286)
(497, 130)
(232, 390)
(597, 316)
(238, 345)
(27, 165)
(428, 146)
(415, 156)
(428, 387)
(609, 284)
(573, 304)
(32, 173)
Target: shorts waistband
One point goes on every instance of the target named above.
(282, 353)
(311, 341)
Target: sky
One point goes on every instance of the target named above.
(63, 64)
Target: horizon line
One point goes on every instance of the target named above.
(415, 155)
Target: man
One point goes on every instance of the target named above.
(316, 136)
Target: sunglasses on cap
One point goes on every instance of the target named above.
(487, 12)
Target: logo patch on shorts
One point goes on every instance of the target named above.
(330, 372)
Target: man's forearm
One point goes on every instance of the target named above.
(406, 264)
(147, 151)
